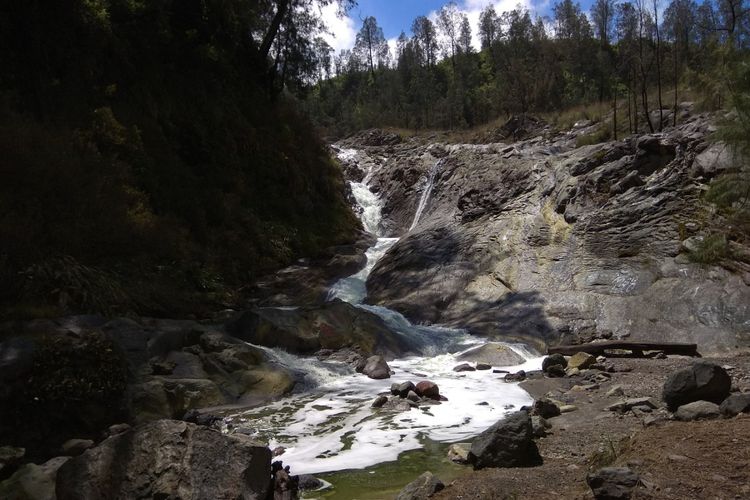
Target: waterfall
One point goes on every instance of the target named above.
(331, 427)
(426, 193)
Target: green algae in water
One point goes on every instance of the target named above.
(385, 480)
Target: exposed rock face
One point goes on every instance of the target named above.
(542, 242)
(304, 330)
(508, 443)
(703, 381)
(612, 483)
(168, 459)
(421, 488)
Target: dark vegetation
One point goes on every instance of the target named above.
(148, 163)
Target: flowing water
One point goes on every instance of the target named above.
(426, 193)
(329, 426)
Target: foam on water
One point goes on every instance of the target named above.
(333, 428)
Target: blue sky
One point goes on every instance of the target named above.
(397, 15)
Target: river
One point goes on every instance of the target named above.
(328, 425)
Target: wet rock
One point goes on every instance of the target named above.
(492, 353)
(554, 360)
(702, 381)
(507, 443)
(483, 366)
(403, 389)
(412, 396)
(581, 360)
(309, 482)
(697, 410)
(545, 408)
(33, 482)
(285, 486)
(519, 376)
(459, 453)
(464, 367)
(421, 488)
(612, 483)
(168, 458)
(74, 447)
(377, 368)
(379, 401)
(427, 389)
(735, 404)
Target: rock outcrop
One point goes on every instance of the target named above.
(421, 488)
(543, 242)
(168, 459)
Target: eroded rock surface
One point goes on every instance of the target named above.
(168, 459)
(541, 242)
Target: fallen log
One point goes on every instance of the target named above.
(637, 348)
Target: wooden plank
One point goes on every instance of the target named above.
(634, 346)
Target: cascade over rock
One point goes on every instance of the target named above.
(544, 242)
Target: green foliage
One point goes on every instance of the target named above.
(711, 250)
(146, 167)
(603, 133)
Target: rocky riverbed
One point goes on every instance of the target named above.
(476, 259)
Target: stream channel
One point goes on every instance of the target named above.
(327, 426)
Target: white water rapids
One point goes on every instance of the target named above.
(331, 426)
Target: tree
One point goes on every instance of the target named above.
(489, 27)
(449, 22)
(603, 15)
(464, 35)
(426, 39)
(371, 47)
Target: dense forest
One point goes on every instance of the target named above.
(635, 56)
(146, 165)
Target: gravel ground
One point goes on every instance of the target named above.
(676, 460)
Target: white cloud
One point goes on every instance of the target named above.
(472, 9)
(342, 29)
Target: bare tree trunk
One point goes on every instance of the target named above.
(658, 62)
(614, 114)
(265, 47)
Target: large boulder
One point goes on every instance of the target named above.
(507, 443)
(702, 381)
(612, 483)
(421, 488)
(492, 353)
(376, 367)
(304, 330)
(168, 459)
(428, 389)
(554, 360)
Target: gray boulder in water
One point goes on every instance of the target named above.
(377, 368)
(168, 459)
